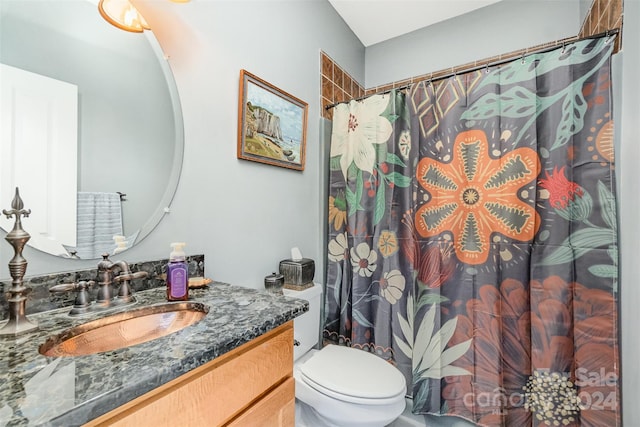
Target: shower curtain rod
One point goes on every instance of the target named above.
(556, 45)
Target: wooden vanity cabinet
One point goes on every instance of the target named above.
(251, 385)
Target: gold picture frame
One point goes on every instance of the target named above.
(272, 124)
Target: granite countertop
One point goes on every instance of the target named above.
(69, 391)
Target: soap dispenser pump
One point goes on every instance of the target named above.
(177, 274)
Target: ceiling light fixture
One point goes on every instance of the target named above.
(123, 15)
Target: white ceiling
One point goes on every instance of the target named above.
(374, 21)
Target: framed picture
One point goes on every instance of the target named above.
(272, 124)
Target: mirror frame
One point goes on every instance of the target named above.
(178, 154)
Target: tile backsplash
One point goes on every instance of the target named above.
(40, 299)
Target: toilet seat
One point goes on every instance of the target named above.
(353, 376)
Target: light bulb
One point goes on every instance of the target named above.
(122, 14)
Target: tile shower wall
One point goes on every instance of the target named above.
(339, 86)
(603, 15)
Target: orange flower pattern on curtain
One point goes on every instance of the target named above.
(475, 195)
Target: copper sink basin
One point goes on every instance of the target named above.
(124, 329)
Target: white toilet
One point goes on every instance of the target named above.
(340, 386)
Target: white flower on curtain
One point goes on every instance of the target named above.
(404, 144)
(392, 286)
(428, 354)
(363, 260)
(338, 248)
(356, 129)
(433, 361)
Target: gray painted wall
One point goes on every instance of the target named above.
(585, 5)
(499, 28)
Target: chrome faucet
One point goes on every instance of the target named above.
(109, 273)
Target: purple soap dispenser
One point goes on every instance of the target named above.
(177, 274)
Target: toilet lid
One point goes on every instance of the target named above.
(347, 372)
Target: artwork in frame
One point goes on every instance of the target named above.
(272, 124)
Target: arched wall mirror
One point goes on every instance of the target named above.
(127, 136)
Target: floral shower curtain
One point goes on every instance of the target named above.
(473, 239)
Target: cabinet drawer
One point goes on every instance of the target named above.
(216, 392)
(276, 409)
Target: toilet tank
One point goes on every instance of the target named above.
(306, 327)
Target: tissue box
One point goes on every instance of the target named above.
(298, 274)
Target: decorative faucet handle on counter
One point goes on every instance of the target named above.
(131, 276)
(124, 293)
(82, 303)
(18, 323)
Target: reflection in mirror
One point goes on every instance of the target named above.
(89, 112)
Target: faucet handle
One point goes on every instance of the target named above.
(82, 301)
(130, 276)
(74, 286)
(125, 293)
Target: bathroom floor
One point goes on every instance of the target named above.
(407, 419)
